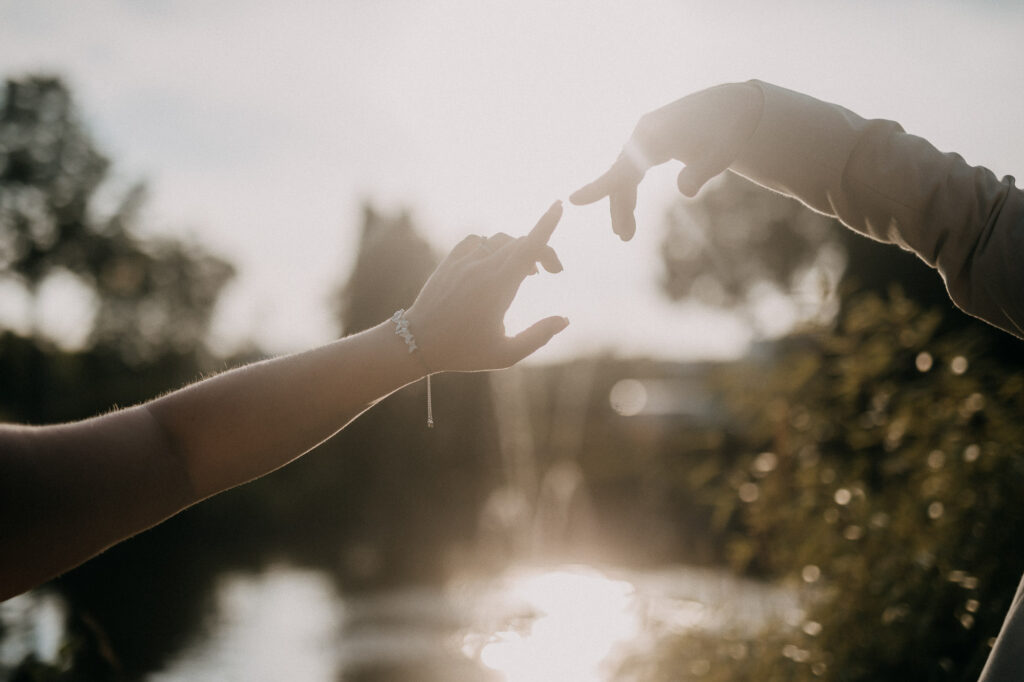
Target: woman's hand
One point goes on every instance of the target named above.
(68, 492)
(458, 316)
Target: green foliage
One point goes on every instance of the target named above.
(49, 172)
(737, 236)
(738, 240)
(152, 296)
(838, 461)
(151, 301)
(880, 476)
(364, 508)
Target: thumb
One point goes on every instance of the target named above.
(529, 340)
(694, 176)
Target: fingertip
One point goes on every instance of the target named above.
(686, 189)
(544, 330)
(535, 337)
(549, 259)
(594, 191)
(556, 209)
(544, 228)
(580, 198)
(625, 226)
(465, 246)
(692, 178)
(621, 209)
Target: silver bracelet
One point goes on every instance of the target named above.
(402, 329)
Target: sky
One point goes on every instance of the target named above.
(261, 127)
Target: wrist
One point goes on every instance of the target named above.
(409, 342)
(412, 349)
(426, 354)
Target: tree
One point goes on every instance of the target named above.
(152, 301)
(393, 262)
(878, 475)
(152, 296)
(873, 465)
(737, 239)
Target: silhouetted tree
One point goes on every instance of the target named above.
(737, 237)
(153, 296)
(153, 299)
(393, 262)
(874, 458)
(876, 470)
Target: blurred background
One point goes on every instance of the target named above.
(766, 448)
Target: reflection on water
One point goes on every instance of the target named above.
(279, 625)
(567, 623)
(32, 625)
(577, 618)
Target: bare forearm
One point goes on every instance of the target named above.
(247, 422)
(69, 492)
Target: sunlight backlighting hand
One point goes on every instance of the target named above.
(458, 317)
(705, 130)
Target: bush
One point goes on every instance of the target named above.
(880, 476)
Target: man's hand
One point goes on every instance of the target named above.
(705, 130)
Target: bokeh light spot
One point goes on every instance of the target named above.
(958, 365)
(766, 462)
(812, 628)
(628, 397)
(923, 361)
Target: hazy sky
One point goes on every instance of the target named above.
(262, 126)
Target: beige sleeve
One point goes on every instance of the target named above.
(897, 188)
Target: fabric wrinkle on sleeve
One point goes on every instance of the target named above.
(897, 188)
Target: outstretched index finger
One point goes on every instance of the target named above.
(545, 227)
(627, 171)
(524, 252)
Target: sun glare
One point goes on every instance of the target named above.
(579, 619)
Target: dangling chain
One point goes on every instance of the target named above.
(402, 329)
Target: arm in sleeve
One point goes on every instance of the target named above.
(897, 188)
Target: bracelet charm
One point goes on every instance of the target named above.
(402, 330)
